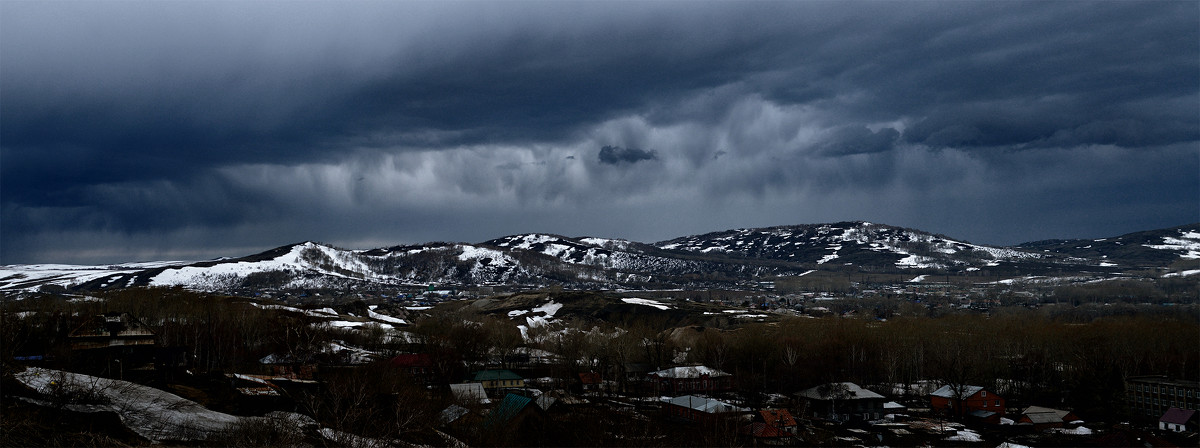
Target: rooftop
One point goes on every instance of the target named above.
(495, 375)
(948, 392)
(831, 391)
(1178, 416)
(703, 404)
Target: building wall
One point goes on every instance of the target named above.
(1152, 396)
(981, 401)
(678, 386)
(496, 384)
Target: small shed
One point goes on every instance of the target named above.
(1045, 418)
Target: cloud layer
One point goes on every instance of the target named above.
(189, 130)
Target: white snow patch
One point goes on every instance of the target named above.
(151, 413)
(831, 256)
(918, 279)
(377, 316)
(647, 302)
(1188, 242)
(1080, 431)
(478, 253)
(1188, 273)
(965, 435)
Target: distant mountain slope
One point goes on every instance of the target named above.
(850, 243)
(728, 259)
(1151, 248)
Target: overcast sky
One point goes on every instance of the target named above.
(182, 130)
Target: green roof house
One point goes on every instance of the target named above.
(494, 379)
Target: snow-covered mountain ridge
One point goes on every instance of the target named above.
(718, 259)
(849, 243)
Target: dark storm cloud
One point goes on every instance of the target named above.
(849, 140)
(616, 155)
(135, 121)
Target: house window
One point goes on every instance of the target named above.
(997, 403)
(985, 403)
(983, 394)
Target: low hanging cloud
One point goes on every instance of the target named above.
(616, 155)
(214, 129)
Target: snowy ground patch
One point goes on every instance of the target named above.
(1183, 273)
(1080, 431)
(1188, 242)
(647, 302)
(151, 413)
(965, 435)
(383, 317)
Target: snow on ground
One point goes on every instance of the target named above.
(372, 314)
(647, 302)
(353, 324)
(1188, 242)
(918, 279)
(323, 312)
(830, 257)
(810, 271)
(227, 274)
(340, 438)
(549, 309)
(917, 261)
(965, 435)
(1080, 431)
(606, 242)
(1011, 445)
(151, 413)
(472, 253)
(1183, 273)
(33, 276)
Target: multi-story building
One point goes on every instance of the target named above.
(1151, 396)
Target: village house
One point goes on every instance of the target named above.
(113, 344)
(700, 409)
(973, 402)
(111, 330)
(1179, 420)
(590, 381)
(418, 367)
(842, 402)
(496, 380)
(689, 379)
(471, 393)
